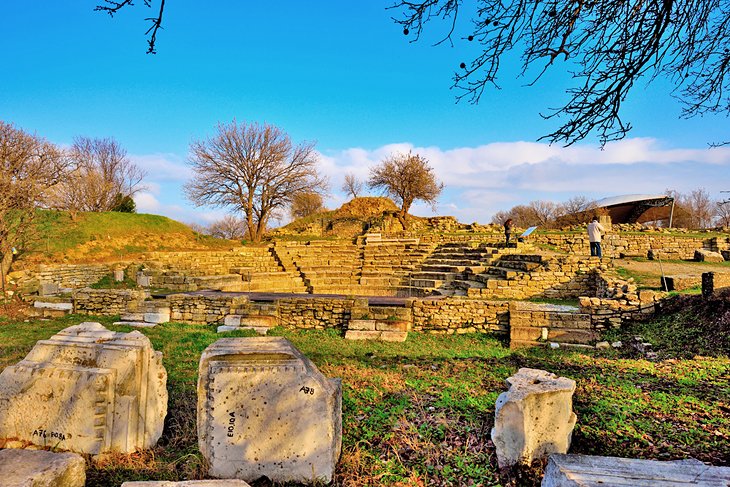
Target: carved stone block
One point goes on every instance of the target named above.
(265, 410)
(86, 389)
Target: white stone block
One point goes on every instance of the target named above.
(534, 418)
(119, 275)
(53, 306)
(223, 328)
(159, 316)
(232, 320)
(86, 389)
(265, 410)
(595, 471)
(40, 468)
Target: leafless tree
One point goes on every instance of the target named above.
(254, 169)
(102, 176)
(29, 166)
(695, 209)
(305, 204)
(406, 177)
(573, 211)
(722, 213)
(606, 45)
(228, 227)
(352, 185)
(112, 7)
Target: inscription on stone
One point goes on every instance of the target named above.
(265, 410)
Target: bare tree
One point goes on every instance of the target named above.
(722, 213)
(228, 227)
(606, 45)
(573, 211)
(701, 207)
(29, 166)
(102, 179)
(352, 185)
(254, 169)
(112, 7)
(406, 177)
(305, 204)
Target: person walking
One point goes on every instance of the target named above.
(508, 229)
(595, 232)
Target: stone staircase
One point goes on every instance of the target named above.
(246, 269)
(259, 317)
(388, 265)
(325, 267)
(463, 269)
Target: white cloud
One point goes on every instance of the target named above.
(482, 180)
(163, 167)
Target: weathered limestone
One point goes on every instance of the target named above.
(40, 468)
(535, 323)
(265, 410)
(188, 483)
(680, 283)
(703, 255)
(384, 330)
(534, 417)
(595, 471)
(86, 389)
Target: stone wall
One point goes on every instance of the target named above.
(316, 313)
(561, 277)
(614, 312)
(108, 302)
(647, 244)
(460, 315)
(206, 309)
(535, 323)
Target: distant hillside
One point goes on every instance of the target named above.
(97, 237)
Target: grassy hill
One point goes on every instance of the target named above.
(110, 236)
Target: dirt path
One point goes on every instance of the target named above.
(648, 272)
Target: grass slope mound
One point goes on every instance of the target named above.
(98, 237)
(687, 325)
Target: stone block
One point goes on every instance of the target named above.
(188, 483)
(40, 468)
(48, 288)
(534, 418)
(86, 389)
(157, 317)
(363, 335)
(394, 336)
(703, 255)
(265, 410)
(361, 325)
(54, 306)
(392, 325)
(119, 275)
(224, 328)
(590, 471)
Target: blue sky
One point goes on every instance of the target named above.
(340, 73)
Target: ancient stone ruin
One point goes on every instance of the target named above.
(265, 410)
(534, 418)
(587, 470)
(40, 468)
(88, 390)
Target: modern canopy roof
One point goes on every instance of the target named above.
(632, 208)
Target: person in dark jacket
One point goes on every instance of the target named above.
(508, 229)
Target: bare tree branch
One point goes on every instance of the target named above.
(611, 44)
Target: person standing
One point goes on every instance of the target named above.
(595, 232)
(508, 229)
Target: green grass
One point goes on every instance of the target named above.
(60, 233)
(420, 412)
